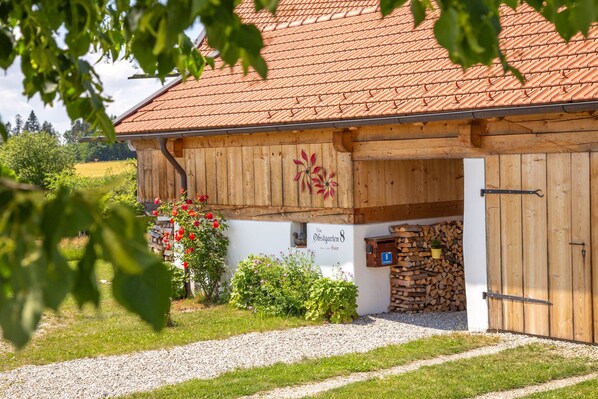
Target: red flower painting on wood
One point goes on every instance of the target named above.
(309, 174)
(324, 183)
(306, 169)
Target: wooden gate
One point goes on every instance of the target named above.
(544, 248)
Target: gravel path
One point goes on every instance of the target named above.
(301, 391)
(142, 371)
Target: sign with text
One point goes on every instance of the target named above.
(328, 239)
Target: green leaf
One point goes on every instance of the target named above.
(388, 6)
(86, 286)
(146, 294)
(418, 9)
(6, 48)
(446, 30)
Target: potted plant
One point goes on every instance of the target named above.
(436, 249)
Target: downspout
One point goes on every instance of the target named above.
(174, 163)
(177, 166)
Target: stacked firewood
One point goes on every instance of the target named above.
(156, 239)
(421, 284)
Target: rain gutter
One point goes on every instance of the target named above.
(385, 120)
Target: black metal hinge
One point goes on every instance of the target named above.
(514, 298)
(485, 191)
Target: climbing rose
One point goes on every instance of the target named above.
(155, 213)
(189, 201)
(202, 198)
(191, 236)
(174, 212)
(167, 247)
(171, 220)
(157, 200)
(215, 224)
(185, 265)
(182, 190)
(209, 215)
(181, 231)
(184, 207)
(196, 223)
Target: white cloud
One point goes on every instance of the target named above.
(125, 94)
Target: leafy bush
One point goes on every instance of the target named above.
(35, 156)
(332, 300)
(272, 286)
(119, 189)
(204, 244)
(177, 281)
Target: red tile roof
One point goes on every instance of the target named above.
(359, 65)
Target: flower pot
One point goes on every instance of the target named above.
(436, 253)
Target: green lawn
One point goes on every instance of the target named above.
(511, 369)
(247, 382)
(583, 390)
(73, 334)
(99, 169)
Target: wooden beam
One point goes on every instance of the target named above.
(454, 147)
(282, 213)
(408, 211)
(177, 147)
(342, 141)
(471, 135)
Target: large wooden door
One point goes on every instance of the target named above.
(542, 271)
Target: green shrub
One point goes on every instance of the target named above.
(203, 242)
(177, 281)
(332, 300)
(272, 286)
(119, 189)
(36, 156)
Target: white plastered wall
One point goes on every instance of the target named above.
(335, 246)
(474, 245)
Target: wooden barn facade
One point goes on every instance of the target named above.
(364, 124)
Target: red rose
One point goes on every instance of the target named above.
(196, 223)
(155, 213)
(165, 240)
(157, 200)
(174, 212)
(185, 265)
(192, 213)
(181, 231)
(166, 233)
(184, 207)
(191, 236)
(215, 224)
(209, 215)
(171, 220)
(202, 198)
(206, 197)
(189, 201)
(177, 238)
(182, 190)
(167, 247)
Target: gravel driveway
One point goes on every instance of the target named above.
(117, 375)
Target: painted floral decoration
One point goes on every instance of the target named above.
(309, 174)
(324, 183)
(306, 169)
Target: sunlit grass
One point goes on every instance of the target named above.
(73, 334)
(100, 169)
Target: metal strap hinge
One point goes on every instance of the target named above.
(485, 191)
(514, 298)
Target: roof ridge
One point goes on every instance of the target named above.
(320, 18)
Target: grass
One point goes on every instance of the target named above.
(511, 369)
(250, 381)
(100, 169)
(585, 390)
(74, 334)
(73, 248)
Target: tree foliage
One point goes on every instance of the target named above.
(32, 123)
(35, 156)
